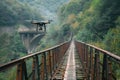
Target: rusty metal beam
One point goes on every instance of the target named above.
(97, 63)
(17, 61)
(42, 67)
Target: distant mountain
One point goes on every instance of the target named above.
(16, 11)
(47, 8)
(13, 12)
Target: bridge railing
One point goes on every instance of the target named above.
(98, 64)
(37, 66)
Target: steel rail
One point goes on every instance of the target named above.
(103, 51)
(17, 61)
(44, 63)
(98, 64)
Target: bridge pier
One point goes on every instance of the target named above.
(31, 39)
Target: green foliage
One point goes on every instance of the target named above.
(18, 46)
(10, 47)
(95, 17)
(14, 12)
(73, 7)
(112, 39)
(99, 23)
(11, 74)
(92, 21)
(47, 8)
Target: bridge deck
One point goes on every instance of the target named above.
(70, 67)
(31, 32)
(98, 64)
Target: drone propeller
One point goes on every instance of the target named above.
(39, 21)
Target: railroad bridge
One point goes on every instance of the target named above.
(32, 35)
(31, 39)
(71, 60)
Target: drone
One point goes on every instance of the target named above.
(41, 25)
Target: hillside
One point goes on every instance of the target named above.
(13, 12)
(47, 8)
(94, 21)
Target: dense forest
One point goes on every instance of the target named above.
(93, 21)
(14, 12)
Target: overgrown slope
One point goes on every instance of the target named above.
(13, 12)
(94, 21)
